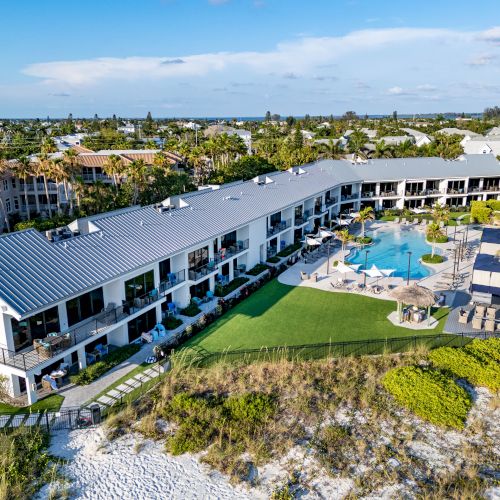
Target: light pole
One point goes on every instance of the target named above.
(366, 262)
(409, 263)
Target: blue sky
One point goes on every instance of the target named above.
(243, 57)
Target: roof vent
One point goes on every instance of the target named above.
(262, 179)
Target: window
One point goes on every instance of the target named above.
(20, 333)
(44, 323)
(8, 206)
(142, 323)
(198, 258)
(228, 240)
(139, 286)
(5, 184)
(200, 290)
(275, 219)
(16, 203)
(84, 306)
(164, 269)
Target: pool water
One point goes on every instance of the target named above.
(390, 251)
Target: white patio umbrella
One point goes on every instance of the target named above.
(323, 233)
(374, 272)
(344, 268)
(313, 242)
(387, 272)
(344, 222)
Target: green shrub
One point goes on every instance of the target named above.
(171, 322)
(191, 310)
(440, 239)
(429, 394)
(432, 259)
(252, 409)
(223, 290)
(257, 269)
(462, 363)
(192, 436)
(93, 372)
(290, 249)
(489, 347)
(480, 212)
(364, 241)
(273, 260)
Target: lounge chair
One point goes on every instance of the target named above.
(477, 323)
(303, 275)
(463, 317)
(491, 313)
(489, 326)
(480, 310)
(147, 337)
(196, 300)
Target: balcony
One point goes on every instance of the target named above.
(271, 251)
(308, 214)
(432, 192)
(415, 193)
(330, 201)
(318, 210)
(456, 191)
(280, 226)
(299, 221)
(347, 197)
(173, 279)
(226, 253)
(491, 188)
(388, 194)
(40, 186)
(368, 194)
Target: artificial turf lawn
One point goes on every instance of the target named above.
(49, 403)
(279, 315)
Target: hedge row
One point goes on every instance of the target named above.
(462, 363)
(429, 394)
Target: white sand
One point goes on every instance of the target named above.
(132, 468)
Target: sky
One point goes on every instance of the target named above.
(207, 58)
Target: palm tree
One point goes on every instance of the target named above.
(136, 174)
(162, 161)
(357, 141)
(113, 167)
(44, 169)
(363, 216)
(382, 150)
(4, 169)
(70, 158)
(24, 170)
(440, 213)
(433, 234)
(79, 188)
(344, 237)
(58, 173)
(331, 150)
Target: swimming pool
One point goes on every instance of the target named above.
(390, 251)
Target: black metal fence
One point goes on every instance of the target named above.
(201, 358)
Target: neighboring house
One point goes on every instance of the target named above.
(128, 129)
(396, 140)
(421, 139)
(370, 133)
(105, 279)
(456, 131)
(68, 141)
(485, 286)
(218, 129)
(308, 135)
(481, 145)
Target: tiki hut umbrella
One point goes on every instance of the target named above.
(414, 295)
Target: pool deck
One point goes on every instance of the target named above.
(328, 275)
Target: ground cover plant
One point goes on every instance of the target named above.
(489, 347)
(432, 259)
(223, 290)
(429, 394)
(257, 269)
(191, 310)
(467, 364)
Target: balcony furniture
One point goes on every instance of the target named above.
(91, 358)
(304, 276)
(172, 309)
(147, 337)
(153, 294)
(209, 296)
(197, 301)
(49, 383)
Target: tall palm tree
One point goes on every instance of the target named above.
(433, 233)
(44, 169)
(161, 160)
(70, 158)
(113, 166)
(79, 189)
(364, 216)
(24, 171)
(357, 141)
(440, 213)
(58, 173)
(331, 150)
(4, 169)
(344, 237)
(382, 150)
(136, 174)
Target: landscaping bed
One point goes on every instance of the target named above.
(257, 269)
(223, 290)
(171, 322)
(432, 259)
(191, 310)
(287, 251)
(114, 358)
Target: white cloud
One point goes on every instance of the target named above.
(397, 91)
(492, 35)
(482, 60)
(426, 87)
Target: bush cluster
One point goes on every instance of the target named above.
(273, 260)
(257, 269)
(465, 363)
(428, 258)
(204, 419)
(481, 348)
(43, 224)
(429, 394)
(223, 290)
(290, 249)
(191, 310)
(171, 322)
(440, 239)
(366, 240)
(93, 372)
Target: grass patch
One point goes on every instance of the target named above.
(50, 403)
(279, 315)
(114, 358)
(257, 269)
(191, 310)
(429, 394)
(223, 290)
(432, 259)
(465, 363)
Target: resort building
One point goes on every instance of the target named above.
(108, 278)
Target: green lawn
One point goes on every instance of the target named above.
(285, 315)
(49, 403)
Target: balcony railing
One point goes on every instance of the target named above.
(299, 221)
(431, 192)
(308, 213)
(456, 191)
(172, 280)
(352, 196)
(415, 193)
(40, 187)
(277, 228)
(491, 188)
(368, 194)
(318, 210)
(271, 251)
(231, 251)
(387, 194)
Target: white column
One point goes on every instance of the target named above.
(82, 358)
(31, 389)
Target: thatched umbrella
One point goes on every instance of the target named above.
(414, 295)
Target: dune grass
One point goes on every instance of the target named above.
(279, 314)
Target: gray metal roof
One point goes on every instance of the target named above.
(35, 273)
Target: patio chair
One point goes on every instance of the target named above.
(172, 309)
(102, 349)
(463, 317)
(209, 295)
(480, 310)
(491, 313)
(196, 300)
(489, 326)
(477, 323)
(304, 276)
